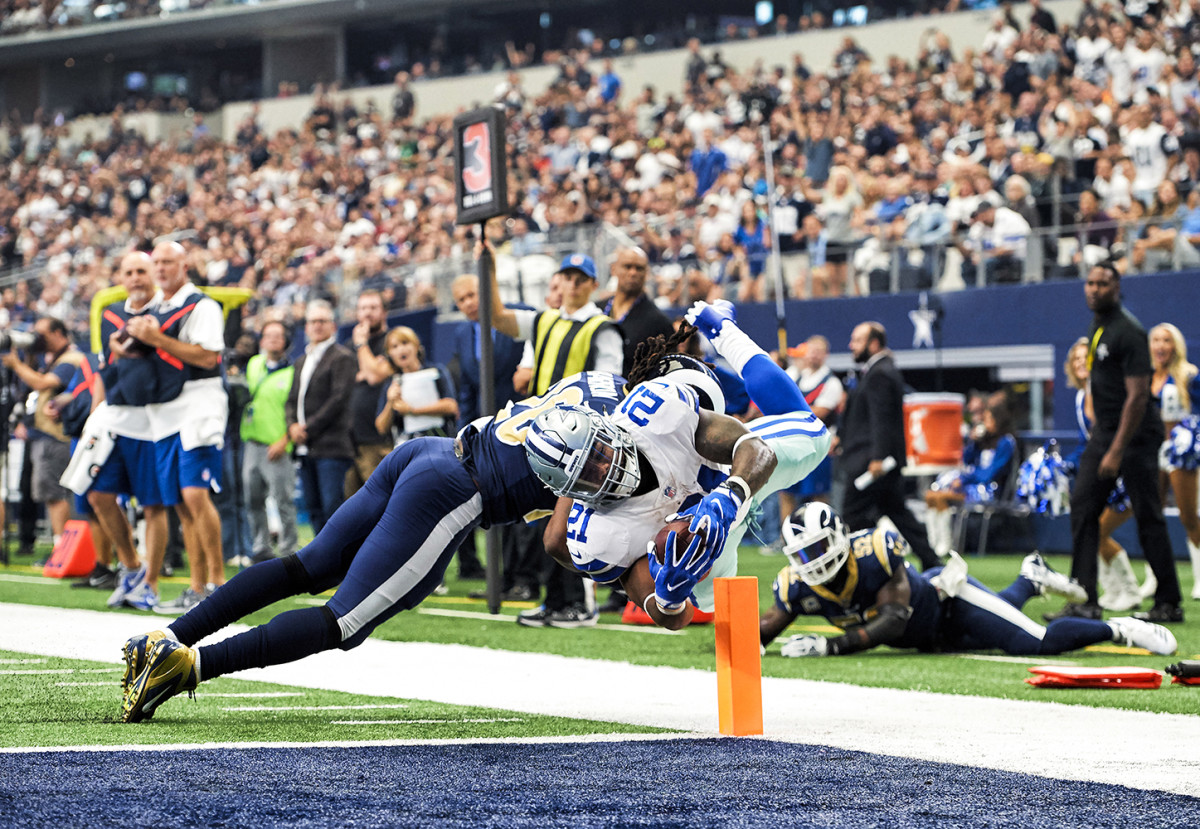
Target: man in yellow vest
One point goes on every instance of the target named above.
(576, 337)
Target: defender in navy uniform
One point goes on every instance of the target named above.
(384, 548)
(861, 583)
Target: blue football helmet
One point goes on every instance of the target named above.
(580, 454)
(688, 371)
(816, 542)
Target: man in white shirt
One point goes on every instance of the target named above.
(1153, 151)
(187, 332)
(998, 238)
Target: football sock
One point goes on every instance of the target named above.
(769, 386)
(1019, 592)
(292, 635)
(1070, 634)
(252, 589)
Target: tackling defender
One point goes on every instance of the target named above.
(861, 583)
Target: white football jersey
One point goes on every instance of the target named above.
(661, 418)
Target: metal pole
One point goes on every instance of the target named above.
(776, 261)
(487, 405)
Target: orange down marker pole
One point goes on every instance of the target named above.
(739, 663)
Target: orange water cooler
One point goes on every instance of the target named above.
(933, 428)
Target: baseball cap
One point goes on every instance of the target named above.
(579, 262)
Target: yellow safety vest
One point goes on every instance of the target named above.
(562, 347)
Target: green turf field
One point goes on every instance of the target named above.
(458, 619)
(69, 702)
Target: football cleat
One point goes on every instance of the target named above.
(169, 669)
(1135, 633)
(134, 652)
(1051, 582)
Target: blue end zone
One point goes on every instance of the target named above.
(683, 783)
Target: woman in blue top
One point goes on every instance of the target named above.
(1174, 386)
(751, 235)
(1117, 581)
(987, 459)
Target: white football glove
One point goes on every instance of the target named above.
(807, 644)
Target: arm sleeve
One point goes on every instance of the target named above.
(994, 471)
(610, 349)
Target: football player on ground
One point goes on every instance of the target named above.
(676, 433)
(861, 583)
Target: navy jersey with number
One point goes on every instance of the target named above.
(875, 555)
(494, 448)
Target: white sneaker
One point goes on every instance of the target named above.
(142, 597)
(1051, 582)
(1135, 633)
(127, 580)
(1120, 601)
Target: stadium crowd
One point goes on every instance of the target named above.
(888, 172)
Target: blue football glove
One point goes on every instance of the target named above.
(720, 507)
(709, 318)
(806, 645)
(682, 567)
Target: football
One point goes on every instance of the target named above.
(660, 540)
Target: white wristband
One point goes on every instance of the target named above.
(669, 610)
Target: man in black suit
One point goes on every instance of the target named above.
(318, 416)
(520, 584)
(872, 430)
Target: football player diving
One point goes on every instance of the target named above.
(861, 583)
(672, 439)
(387, 547)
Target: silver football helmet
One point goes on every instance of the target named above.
(816, 542)
(581, 454)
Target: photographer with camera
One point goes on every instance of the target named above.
(49, 448)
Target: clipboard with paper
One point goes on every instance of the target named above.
(420, 389)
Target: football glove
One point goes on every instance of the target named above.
(720, 507)
(709, 318)
(682, 568)
(806, 645)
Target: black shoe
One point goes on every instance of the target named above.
(516, 593)
(1075, 611)
(25, 550)
(1161, 613)
(100, 578)
(167, 570)
(615, 603)
(535, 617)
(475, 574)
(572, 616)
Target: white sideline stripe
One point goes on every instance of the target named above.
(486, 617)
(428, 722)
(21, 661)
(452, 741)
(313, 707)
(82, 684)
(1016, 660)
(29, 579)
(1075, 742)
(31, 671)
(259, 694)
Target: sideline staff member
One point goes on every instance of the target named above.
(1126, 434)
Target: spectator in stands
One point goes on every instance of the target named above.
(1152, 150)
(986, 464)
(707, 162)
(753, 241)
(268, 470)
(997, 242)
(840, 213)
(404, 105)
(49, 446)
(319, 420)
(1154, 250)
(370, 445)
(1097, 230)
